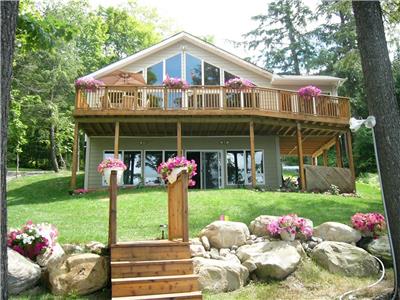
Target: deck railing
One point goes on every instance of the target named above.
(142, 98)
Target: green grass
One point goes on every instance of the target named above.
(45, 198)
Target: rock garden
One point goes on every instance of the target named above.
(227, 255)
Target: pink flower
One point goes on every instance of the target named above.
(166, 168)
(369, 223)
(239, 83)
(292, 224)
(309, 91)
(175, 83)
(88, 83)
(110, 163)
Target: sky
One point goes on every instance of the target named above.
(224, 19)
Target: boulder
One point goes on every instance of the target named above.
(339, 257)
(258, 226)
(51, 254)
(219, 276)
(80, 274)
(273, 259)
(72, 249)
(206, 243)
(195, 241)
(337, 232)
(96, 247)
(197, 250)
(380, 248)
(250, 265)
(225, 234)
(23, 274)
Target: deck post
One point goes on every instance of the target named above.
(75, 150)
(179, 138)
(116, 140)
(300, 156)
(325, 157)
(339, 161)
(314, 160)
(252, 155)
(112, 219)
(350, 156)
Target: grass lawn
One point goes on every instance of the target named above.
(45, 198)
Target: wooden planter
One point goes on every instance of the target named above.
(178, 228)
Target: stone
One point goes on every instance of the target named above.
(234, 247)
(273, 259)
(225, 234)
(259, 225)
(96, 247)
(249, 242)
(337, 232)
(224, 251)
(197, 250)
(195, 241)
(72, 249)
(253, 237)
(380, 248)
(205, 242)
(23, 274)
(250, 265)
(80, 274)
(299, 247)
(230, 257)
(55, 253)
(340, 257)
(217, 276)
(214, 253)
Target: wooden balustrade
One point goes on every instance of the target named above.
(140, 98)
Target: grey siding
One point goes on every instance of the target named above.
(269, 144)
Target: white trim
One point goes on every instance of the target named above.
(87, 153)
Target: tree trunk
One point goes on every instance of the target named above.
(62, 161)
(17, 162)
(53, 149)
(379, 86)
(9, 13)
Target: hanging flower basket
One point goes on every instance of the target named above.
(170, 169)
(239, 83)
(88, 84)
(175, 83)
(112, 164)
(308, 92)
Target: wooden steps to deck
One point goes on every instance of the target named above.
(153, 270)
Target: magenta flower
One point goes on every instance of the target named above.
(239, 83)
(175, 83)
(88, 83)
(165, 168)
(309, 91)
(369, 224)
(292, 224)
(110, 163)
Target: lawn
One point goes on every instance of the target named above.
(45, 198)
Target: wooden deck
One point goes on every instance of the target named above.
(210, 100)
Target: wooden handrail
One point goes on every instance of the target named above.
(112, 219)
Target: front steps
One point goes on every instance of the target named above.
(153, 270)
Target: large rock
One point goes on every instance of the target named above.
(225, 234)
(23, 274)
(380, 248)
(219, 276)
(197, 250)
(339, 257)
(276, 259)
(337, 232)
(80, 274)
(259, 225)
(51, 254)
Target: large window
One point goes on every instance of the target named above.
(193, 70)
(152, 160)
(211, 74)
(238, 165)
(173, 66)
(155, 74)
(133, 162)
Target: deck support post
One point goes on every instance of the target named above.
(179, 138)
(325, 157)
(252, 156)
(350, 156)
(75, 150)
(116, 140)
(314, 160)
(339, 161)
(301, 158)
(112, 218)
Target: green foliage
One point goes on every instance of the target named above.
(363, 150)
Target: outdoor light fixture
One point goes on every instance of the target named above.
(163, 228)
(355, 125)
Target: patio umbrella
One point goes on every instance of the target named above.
(123, 78)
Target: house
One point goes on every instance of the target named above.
(236, 136)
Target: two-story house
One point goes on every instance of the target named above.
(237, 137)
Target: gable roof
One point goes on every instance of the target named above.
(182, 36)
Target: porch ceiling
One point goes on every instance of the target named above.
(311, 144)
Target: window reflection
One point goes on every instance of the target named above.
(152, 161)
(173, 66)
(133, 162)
(229, 76)
(235, 167)
(155, 74)
(193, 70)
(258, 156)
(211, 74)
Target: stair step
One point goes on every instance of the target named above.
(181, 296)
(150, 250)
(138, 286)
(124, 269)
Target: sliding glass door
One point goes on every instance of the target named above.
(208, 168)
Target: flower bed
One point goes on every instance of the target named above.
(32, 239)
(170, 169)
(369, 224)
(239, 83)
(289, 227)
(88, 83)
(175, 83)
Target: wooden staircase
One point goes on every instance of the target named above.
(153, 270)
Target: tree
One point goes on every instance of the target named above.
(9, 13)
(282, 37)
(382, 103)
